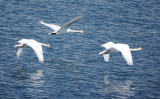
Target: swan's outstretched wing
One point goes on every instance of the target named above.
(108, 45)
(68, 24)
(19, 51)
(39, 54)
(52, 26)
(37, 47)
(106, 57)
(38, 50)
(125, 51)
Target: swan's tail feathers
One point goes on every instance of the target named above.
(100, 53)
(41, 21)
(103, 52)
(19, 45)
(15, 46)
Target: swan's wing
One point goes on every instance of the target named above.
(108, 45)
(19, 51)
(106, 57)
(52, 26)
(125, 51)
(39, 54)
(37, 47)
(68, 24)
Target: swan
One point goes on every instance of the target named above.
(35, 45)
(114, 48)
(65, 28)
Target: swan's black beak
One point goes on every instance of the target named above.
(50, 46)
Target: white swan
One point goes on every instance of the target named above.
(65, 28)
(114, 48)
(36, 46)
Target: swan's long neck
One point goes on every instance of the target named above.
(80, 31)
(136, 49)
(48, 45)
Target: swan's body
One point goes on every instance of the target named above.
(65, 28)
(114, 48)
(36, 46)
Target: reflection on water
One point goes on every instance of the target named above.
(125, 89)
(106, 81)
(122, 89)
(36, 81)
(37, 75)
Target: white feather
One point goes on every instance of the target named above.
(106, 57)
(125, 51)
(19, 51)
(65, 28)
(52, 26)
(114, 48)
(36, 46)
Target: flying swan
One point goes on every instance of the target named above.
(114, 48)
(65, 28)
(36, 46)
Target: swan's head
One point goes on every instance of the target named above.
(142, 48)
(82, 32)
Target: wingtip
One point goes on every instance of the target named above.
(18, 56)
(41, 61)
(130, 64)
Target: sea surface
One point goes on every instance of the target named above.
(72, 68)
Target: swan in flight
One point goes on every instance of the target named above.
(65, 28)
(36, 46)
(114, 48)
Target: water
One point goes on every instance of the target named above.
(72, 68)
